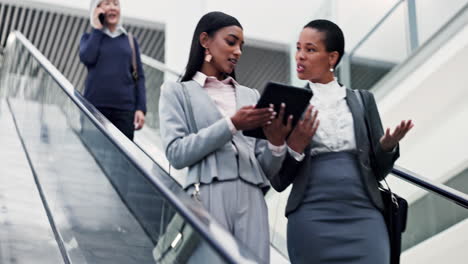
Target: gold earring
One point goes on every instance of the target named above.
(208, 56)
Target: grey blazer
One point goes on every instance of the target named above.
(295, 173)
(209, 153)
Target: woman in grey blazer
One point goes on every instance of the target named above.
(334, 206)
(228, 169)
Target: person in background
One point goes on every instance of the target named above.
(115, 84)
(334, 208)
(230, 167)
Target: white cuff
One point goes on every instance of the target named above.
(297, 156)
(231, 125)
(277, 151)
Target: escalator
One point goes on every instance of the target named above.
(75, 190)
(96, 197)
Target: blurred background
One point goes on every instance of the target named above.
(410, 53)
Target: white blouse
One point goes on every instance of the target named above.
(336, 130)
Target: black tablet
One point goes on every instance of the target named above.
(296, 100)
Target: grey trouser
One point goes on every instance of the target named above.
(240, 207)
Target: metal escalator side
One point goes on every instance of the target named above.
(109, 201)
(26, 233)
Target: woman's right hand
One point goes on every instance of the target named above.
(249, 117)
(304, 131)
(277, 132)
(96, 22)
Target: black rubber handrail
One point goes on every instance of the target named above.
(438, 188)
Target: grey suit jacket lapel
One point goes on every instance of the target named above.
(359, 123)
(202, 103)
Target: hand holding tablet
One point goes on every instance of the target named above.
(296, 100)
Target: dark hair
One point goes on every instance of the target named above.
(334, 39)
(209, 23)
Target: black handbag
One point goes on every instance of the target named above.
(395, 215)
(395, 207)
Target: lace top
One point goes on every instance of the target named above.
(336, 130)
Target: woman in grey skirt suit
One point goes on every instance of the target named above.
(231, 168)
(334, 209)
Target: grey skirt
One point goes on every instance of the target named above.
(336, 221)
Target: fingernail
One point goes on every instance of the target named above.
(269, 123)
(283, 104)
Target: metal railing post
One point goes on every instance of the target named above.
(345, 71)
(411, 26)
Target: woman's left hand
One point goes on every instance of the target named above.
(390, 140)
(276, 132)
(139, 120)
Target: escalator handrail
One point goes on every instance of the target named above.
(443, 190)
(156, 64)
(187, 208)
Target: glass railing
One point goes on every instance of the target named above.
(108, 201)
(408, 25)
(149, 138)
(434, 208)
(148, 135)
(434, 14)
(367, 61)
(155, 74)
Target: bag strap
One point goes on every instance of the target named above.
(134, 61)
(369, 132)
(364, 113)
(194, 129)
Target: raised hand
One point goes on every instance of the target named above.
(389, 140)
(275, 131)
(249, 117)
(304, 131)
